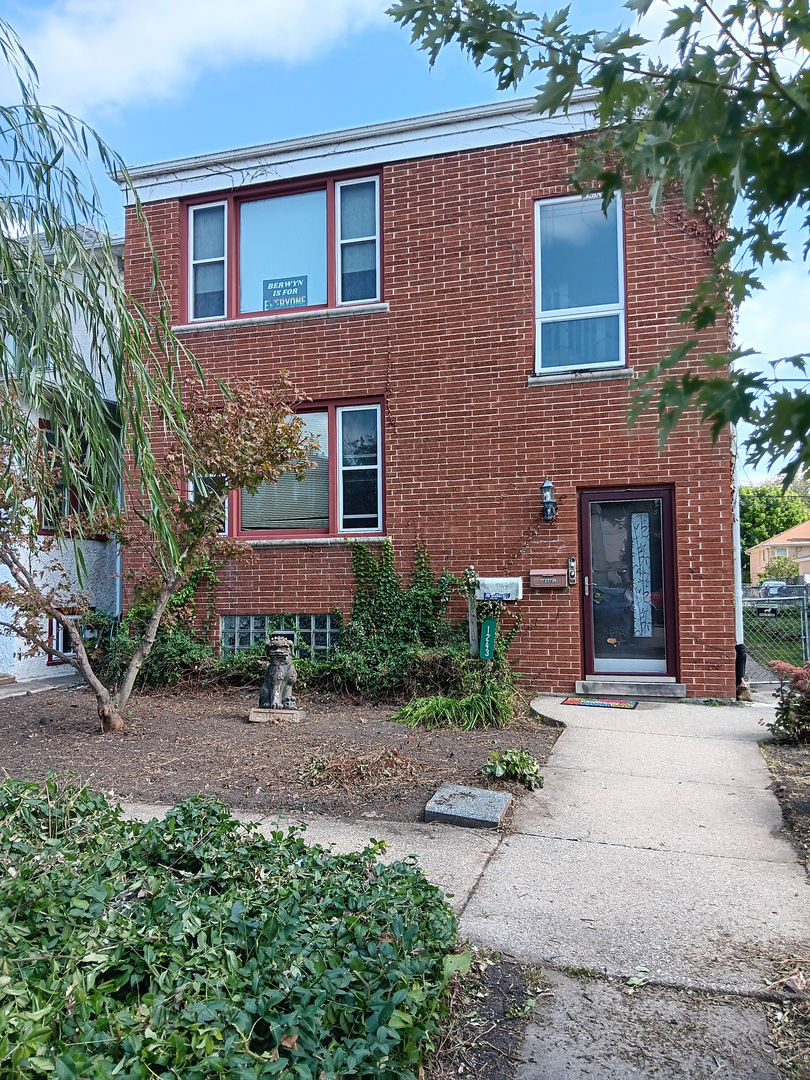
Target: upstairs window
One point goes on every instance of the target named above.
(296, 249)
(207, 263)
(357, 247)
(580, 285)
(282, 252)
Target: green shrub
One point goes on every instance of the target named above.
(792, 717)
(514, 764)
(194, 947)
(400, 641)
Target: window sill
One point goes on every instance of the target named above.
(315, 541)
(284, 317)
(595, 375)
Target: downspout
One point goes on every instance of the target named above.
(737, 555)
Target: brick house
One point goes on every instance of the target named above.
(464, 327)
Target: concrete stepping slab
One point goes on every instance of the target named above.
(473, 808)
(691, 919)
(703, 819)
(591, 1028)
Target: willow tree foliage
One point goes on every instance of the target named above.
(76, 354)
(88, 379)
(726, 122)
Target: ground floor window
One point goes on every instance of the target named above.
(313, 633)
(341, 494)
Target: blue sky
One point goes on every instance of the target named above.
(163, 79)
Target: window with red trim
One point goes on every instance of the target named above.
(341, 495)
(285, 249)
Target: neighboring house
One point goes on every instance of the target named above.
(101, 578)
(794, 543)
(463, 326)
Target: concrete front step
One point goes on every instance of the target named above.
(630, 688)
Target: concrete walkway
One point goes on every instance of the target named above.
(655, 842)
(38, 686)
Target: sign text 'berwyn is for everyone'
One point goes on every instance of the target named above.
(287, 292)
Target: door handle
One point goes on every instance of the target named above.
(587, 584)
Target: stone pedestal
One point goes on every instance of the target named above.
(275, 716)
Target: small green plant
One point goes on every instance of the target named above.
(514, 764)
(635, 982)
(517, 1011)
(792, 718)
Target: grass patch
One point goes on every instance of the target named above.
(778, 637)
(491, 707)
(195, 947)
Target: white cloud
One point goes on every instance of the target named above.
(97, 54)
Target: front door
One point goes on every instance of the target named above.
(628, 582)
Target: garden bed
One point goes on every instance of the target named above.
(344, 758)
(789, 764)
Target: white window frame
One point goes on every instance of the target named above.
(581, 313)
(192, 262)
(58, 638)
(226, 502)
(341, 468)
(340, 243)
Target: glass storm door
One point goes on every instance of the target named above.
(628, 582)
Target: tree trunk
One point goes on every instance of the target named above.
(107, 704)
(110, 716)
(140, 655)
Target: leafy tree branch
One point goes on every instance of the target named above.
(726, 124)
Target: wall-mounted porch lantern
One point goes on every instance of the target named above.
(549, 502)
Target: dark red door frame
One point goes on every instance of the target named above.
(667, 497)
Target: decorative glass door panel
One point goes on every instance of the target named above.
(628, 599)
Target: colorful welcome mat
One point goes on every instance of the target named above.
(601, 703)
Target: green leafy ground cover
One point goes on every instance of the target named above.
(194, 948)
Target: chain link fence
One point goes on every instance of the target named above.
(775, 627)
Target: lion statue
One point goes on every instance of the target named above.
(276, 691)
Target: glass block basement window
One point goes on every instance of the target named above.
(316, 633)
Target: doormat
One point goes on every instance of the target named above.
(601, 703)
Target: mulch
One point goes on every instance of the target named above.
(343, 758)
(789, 764)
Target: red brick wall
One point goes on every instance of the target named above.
(467, 441)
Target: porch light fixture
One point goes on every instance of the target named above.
(549, 502)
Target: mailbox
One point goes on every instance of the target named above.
(549, 579)
(499, 588)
